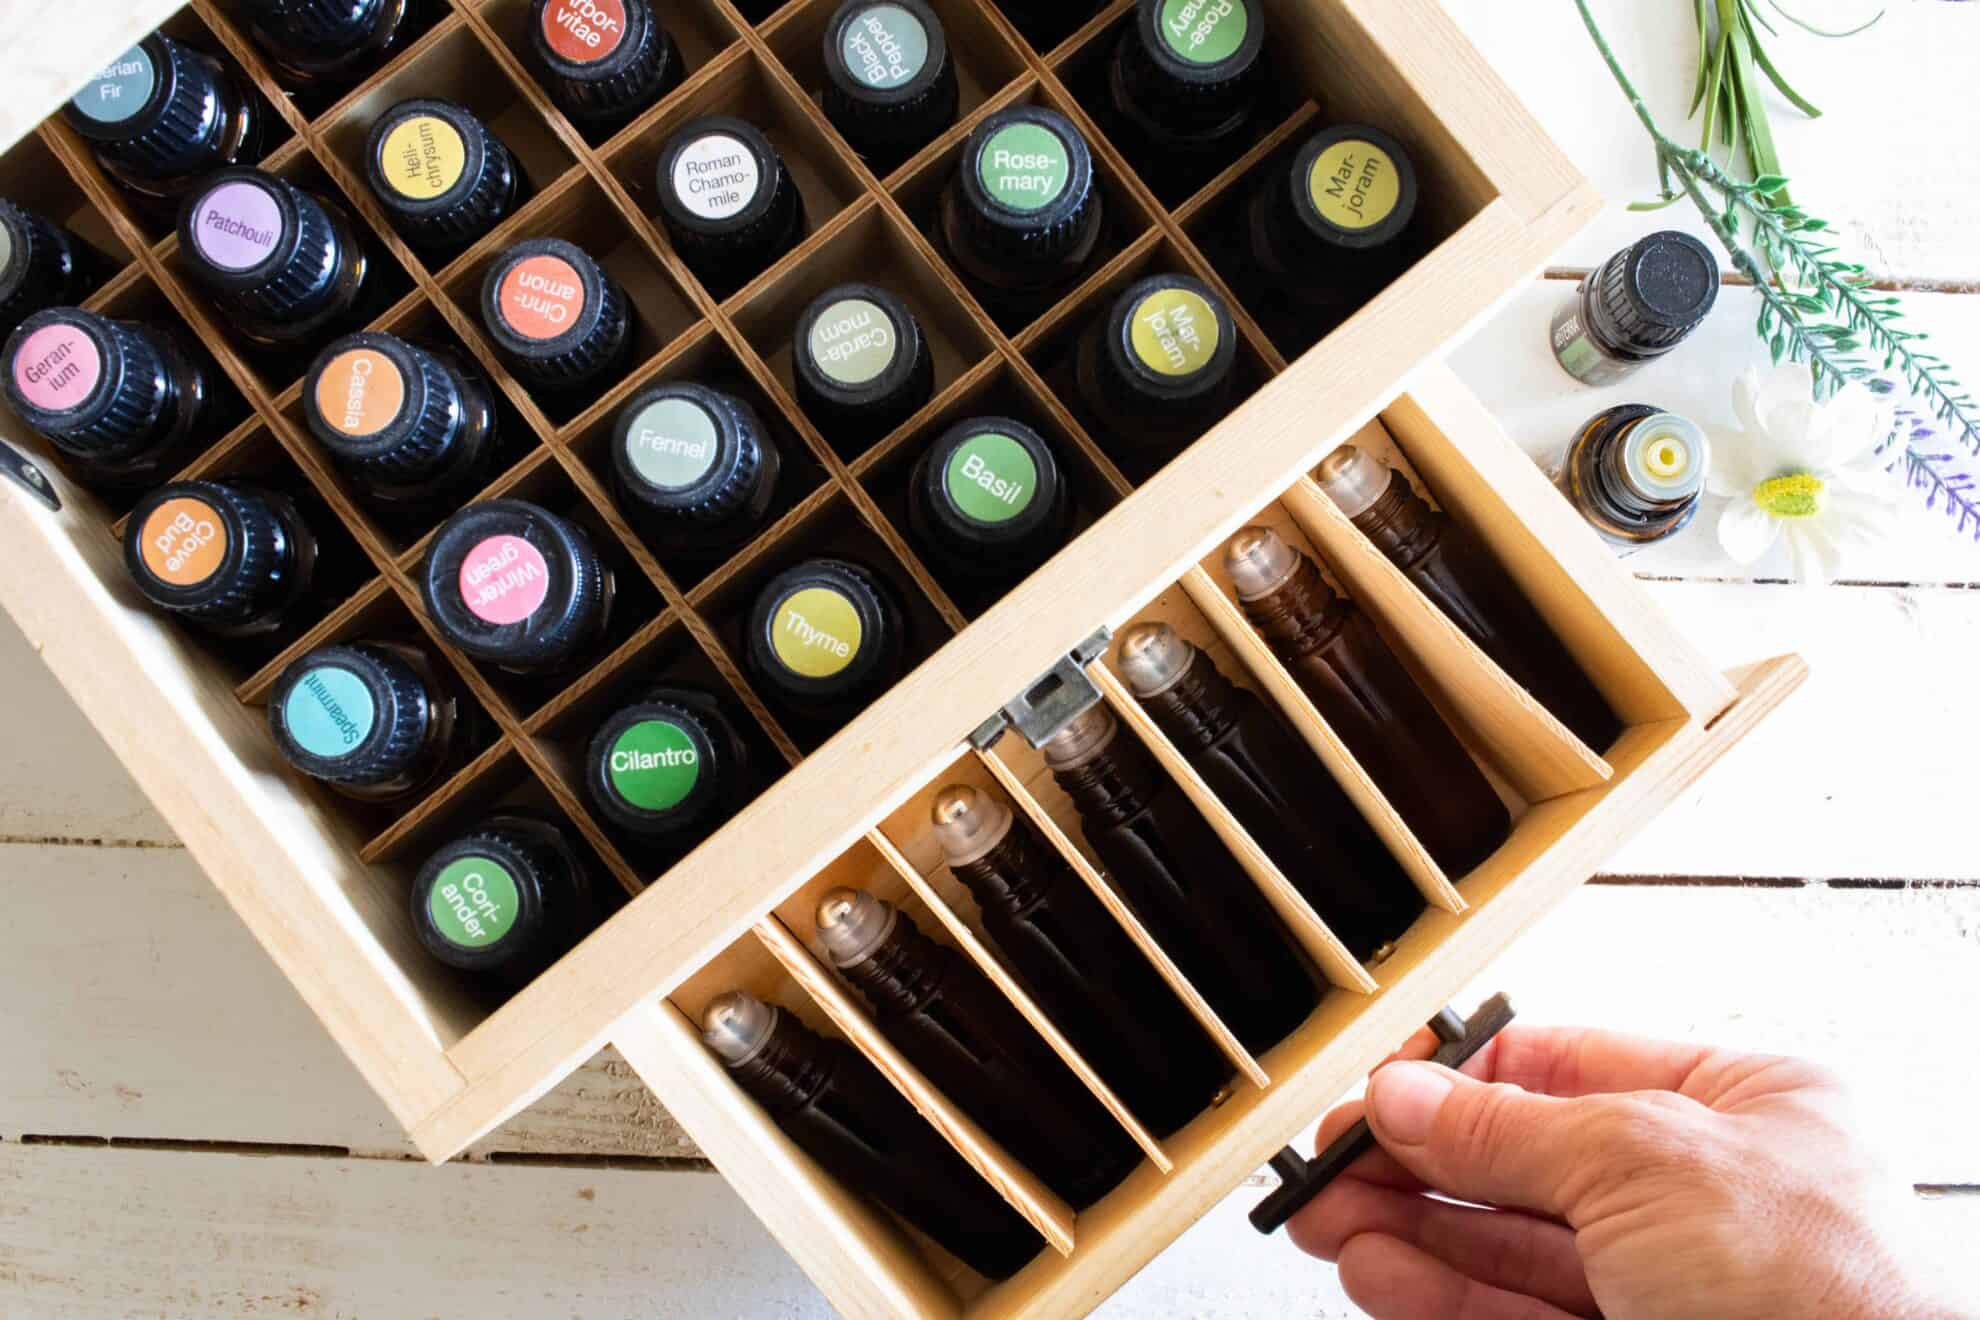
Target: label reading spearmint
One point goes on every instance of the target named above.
(57, 367)
(119, 89)
(885, 46)
(1024, 166)
(422, 157)
(1204, 31)
(330, 712)
(1174, 332)
(183, 541)
(473, 902)
(716, 176)
(672, 443)
(991, 478)
(1354, 185)
(582, 31)
(504, 579)
(853, 341)
(815, 632)
(360, 392)
(238, 224)
(540, 297)
(654, 765)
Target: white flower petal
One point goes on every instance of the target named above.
(1817, 559)
(1731, 473)
(1746, 400)
(1852, 425)
(1747, 531)
(1789, 384)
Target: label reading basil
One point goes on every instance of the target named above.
(853, 341)
(1354, 184)
(815, 632)
(473, 903)
(330, 712)
(1204, 31)
(1024, 166)
(654, 765)
(885, 46)
(991, 478)
(672, 443)
(1174, 332)
(119, 90)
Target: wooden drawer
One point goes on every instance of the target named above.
(323, 884)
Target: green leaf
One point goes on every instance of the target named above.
(1769, 184)
(1806, 26)
(1660, 204)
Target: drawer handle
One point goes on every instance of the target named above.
(27, 474)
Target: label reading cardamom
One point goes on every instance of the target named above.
(672, 443)
(991, 478)
(654, 765)
(1204, 31)
(815, 632)
(885, 46)
(1174, 332)
(330, 712)
(853, 341)
(1354, 184)
(1024, 166)
(473, 902)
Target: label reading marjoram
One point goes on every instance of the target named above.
(360, 392)
(716, 176)
(654, 765)
(853, 341)
(330, 712)
(540, 297)
(422, 157)
(238, 225)
(672, 443)
(57, 367)
(1024, 166)
(1204, 31)
(991, 478)
(815, 632)
(1174, 332)
(1354, 184)
(582, 31)
(504, 579)
(183, 541)
(885, 46)
(473, 902)
(119, 89)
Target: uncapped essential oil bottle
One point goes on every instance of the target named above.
(123, 399)
(231, 558)
(826, 1097)
(602, 61)
(443, 178)
(1636, 474)
(890, 85)
(1195, 899)
(504, 900)
(1078, 963)
(319, 43)
(411, 426)
(1635, 307)
(1183, 85)
(988, 503)
(284, 265)
(826, 636)
(695, 471)
(1453, 568)
(1340, 661)
(861, 364)
(375, 720)
(560, 321)
(42, 265)
(727, 201)
(943, 1013)
(517, 586)
(1157, 370)
(667, 768)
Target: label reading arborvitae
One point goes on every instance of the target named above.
(330, 712)
(1354, 184)
(815, 632)
(654, 765)
(885, 46)
(422, 157)
(672, 443)
(1024, 166)
(119, 89)
(473, 903)
(853, 341)
(582, 31)
(1204, 31)
(716, 176)
(1174, 332)
(991, 478)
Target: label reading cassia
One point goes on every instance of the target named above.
(654, 765)
(473, 902)
(360, 392)
(815, 632)
(1024, 166)
(1174, 332)
(853, 341)
(991, 478)
(330, 712)
(1354, 184)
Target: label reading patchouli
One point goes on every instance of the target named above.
(885, 46)
(716, 176)
(1204, 31)
(184, 541)
(1354, 184)
(1024, 166)
(582, 31)
(473, 902)
(504, 579)
(119, 89)
(654, 765)
(422, 157)
(57, 367)
(238, 225)
(540, 297)
(815, 632)
(329, 712)
(672, 443)
(853, 341)
(1174, 332)
(991, 478)
(360, 392)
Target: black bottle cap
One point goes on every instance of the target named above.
(1352, 187)
(825, 632)
(989, 496)
(510, 895)
(664, 764)
(559, 318)
(890, 86)
(1191, 64)
(516, 585)
(727, 200)
(1169, 339)
(41, 265)
(696, 459)
(95, 387)
(441, 175)
(383, 407)
(357, 714)
(324, 38)
(1023, 193)
(861, 364)
(605, 60)
(273, 251)
(1657, 292)
(159, 106)
(228, 555)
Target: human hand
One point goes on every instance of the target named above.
(1636, 1178)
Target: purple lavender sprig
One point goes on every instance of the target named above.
(1928, 468)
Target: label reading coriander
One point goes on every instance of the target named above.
(672, 443)
(330, 712)
(716, 176)
(1024, 166)
(57, 367)
(885, 46)
(1174, 332)
(853, 341)
(1354, 185)
(654, 765)
(119, 89)
(583, 31)
(183, 541)
(504, 579)
(540, 297)
(991, 478)
(815, 632)
(422, 157)
(360, 392)
(238, 225)
(473, 902)
(1204, 31)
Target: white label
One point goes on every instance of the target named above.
(716, 176)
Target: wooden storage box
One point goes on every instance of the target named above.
(322, 883)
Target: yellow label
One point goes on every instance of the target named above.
(815, 632)
(422, 157)
(1354, 185)
(1174, 332)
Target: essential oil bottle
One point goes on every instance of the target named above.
(1078, 963)
(890, 86)
(1183, 85)
(603, 61)
(233, 559)
(987, 502)
(41, 265)
(515, 585)
(1340, 661)
(727, 201)
(1635, 307)
(826, 636)
(284, 265)
(1453, 568)
(122, 399)
(504, 900)
(861, 364)
(828, 1099)
(317, 43)
(667, 768)
(375, 720)
(1043, 23)
(1636, 473)
(1330, 231)
(443, 178)
(695, 470)
(558, 318)
(966, 1038)
(412, 427)
(1157, 370)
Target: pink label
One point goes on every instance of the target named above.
(238, 225)
(504, 579)
(57, 367)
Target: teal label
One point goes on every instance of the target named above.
(330, 712)
(474, 902)
(1204, 31)
(885, 46)
(1024, 166)
(992, 478)
(672, 443)
(119, 89)
(654, 765)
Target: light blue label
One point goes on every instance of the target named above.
(330, 712)
(119, 89)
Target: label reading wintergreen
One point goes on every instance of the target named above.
(1024, 166)
(1354, 184)
(1174, 332)
(329, 712)
(654, 765)
(991, 478)
(473, 903)
(672, 443)
(1204, 31)
(852, 341)
(885, 46)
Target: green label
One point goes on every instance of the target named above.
(1024, 166)
(119, 89)
(1174, 332)
(885, 46)
(992, 478)
(1204, 31)
(672, 443)
(853, 341)
(474, 902)
(330, 712)
(654, 765)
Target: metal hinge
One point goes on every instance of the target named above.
(1051, 701)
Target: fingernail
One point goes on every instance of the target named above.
(1404, 1098)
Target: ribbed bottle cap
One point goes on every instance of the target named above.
(513, 584)
(658, 766)
(1170, 338)
(968, 823)
(270, 249)
(1353, 187)
(1657, 293)
(1153, 657)
(510, 891)
(890, 86)
(356, 714)
(1085, 737)
(443, 177)
(220, 553)
(736, 1025)
(604, 60)
(825, 632)
(157, 108)
(1191, 64)
(329, 25)
(989, 486)
(1259, 562)
(95, 387)
(727, 200)
(852, 924)
(1023, 192)
(382, 406)
(559, 318)
(1667, 457)
(692, 456)
(861, 364)
(1353, 480)
(41, 265)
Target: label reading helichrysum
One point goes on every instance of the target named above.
(853, 341)
(1024, 166)
(422, 157)
(815, 632)
(473, 903)
(991, 478)
(1174, 332)
(885, 46)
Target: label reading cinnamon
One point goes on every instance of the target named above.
(184, 541)
(360, 392)
(584, 31)
(541, 297)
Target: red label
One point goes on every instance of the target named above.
(504, 579)
(56, 368)
(583, 31)
(540, 297)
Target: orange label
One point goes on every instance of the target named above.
(184, 541)
(360, 392)
(541, 297)
(584, 30)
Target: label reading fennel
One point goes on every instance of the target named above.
(885, 46)
(853, 341)
(991, 478)
(654, 765)
(1174, 332)
(1204, 31)
(815, 632)
(1024, 166)
(330, 712)
(473, 902)
(422, 157)
(1354, 185)
(672, 443)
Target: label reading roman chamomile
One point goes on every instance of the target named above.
(422, 157)
(716, 176)
(885, 46)
(654, 765)
(1024, 166)
(57, 367)
(504, 579)
(473, 902)
(582, 31)
(853, 341)
(815, 632)
(991, 478)
(238, 225)
(183, 541)
(1204, 31)
(1354, 184)
(1174, 332)
(330, 712)
(672, 443)
(360, 392)
(119, 89)
(540, 297)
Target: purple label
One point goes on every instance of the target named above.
(238, 225)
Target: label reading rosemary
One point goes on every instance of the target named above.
(1204, 31)
(1024, 166)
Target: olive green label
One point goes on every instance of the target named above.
(671, 444)
(474, 902)
(1354, 184)
(853, 341)
(1024, 166)
(1204, 31)
(992, 478)
(1174, 332)
(815, 632)
(654, 765)
(885, 46)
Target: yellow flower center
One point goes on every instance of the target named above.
(1800, 495)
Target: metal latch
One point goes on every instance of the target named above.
(1049, 702)
(26, 474)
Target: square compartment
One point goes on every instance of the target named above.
(33, 178)
(312, 97)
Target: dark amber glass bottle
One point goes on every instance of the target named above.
(1364, 692)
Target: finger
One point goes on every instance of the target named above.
(1506, 1249)
(1377, 1166)
(1392, 1280)
(1577, 1061)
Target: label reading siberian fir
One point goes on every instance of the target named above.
(1204, 31)
(716, 176)
(654, 765)
(1354, 184)
(885, 46)
(540, 297)
(360, 392)
(57, 367)
(119, 89)
(584, 30)
(330, 712)
(815, 632)
(184, 541)
(1024, 166)
(504, 579)
(991, 478)
(852, 341)
(473, 903)
(1174, 332)
(672, 443)
(422, 157)
(237, 225)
